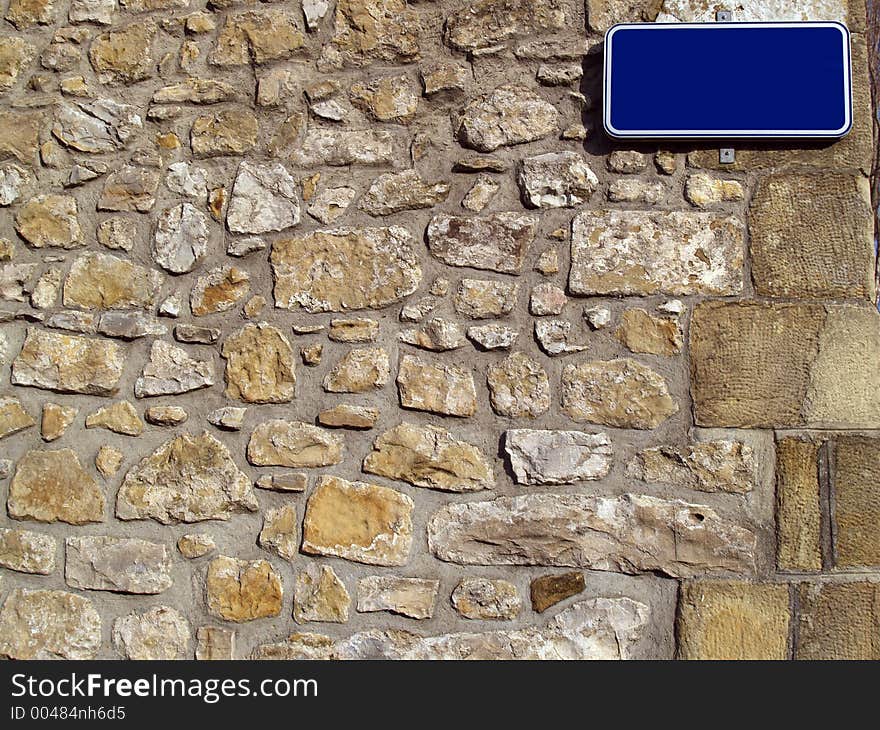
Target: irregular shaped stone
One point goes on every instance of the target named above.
(27, 552)
(546, 591)
(837, 621)
(436, 388)
(124, 55)
(497, 242)
(359, 371)
(294, 444)
(242, 590)
(554, 337)
(259, 365)
(264, 199)
(181, 239)
(492, 336)
(368, 31)
(314, 12)
(485, 299)
(480, 194)
(642, 332)
(556, 180)
(24, 14)
(49, 221)
(600, 628)
(55, 420)
(68, 363)
(627, 534)
(130, 325)
(172, 371)
(14, 181)
(187, 179)
(518, 387)
(117, 233)
(486, 599)
(509, 115)
(342, 269)
(559, 75)
(708, 466)
(195, 91)
(412, 597)
(98, 126)
(37, 624)
(428, 456)
(15, 55)
(120, 417)
(45, 292)
(290, 482)
(121, 565)
(649, 252)
(195, 545)
(798, 511)
(557, 457)
(620, 393)
(343, 147)
(20, 134)
(130, 189)
(165, 415)
(279, 531)
(108, 461)
(257, 37)
(16, 281)
(547, 299)
(636, 190)
(101, 281)
(219, 290)
(320, 595)
(438, 78)
(394, 192)
(353, 330)
(13, 417)
(438, 335)
(387, 99)
(228, 132)
(331, 203)
(161, 633)
(749, 10)
(349, 416)
(187, 479)
(733, 620)
(357, 521)
(228, 418)
(479, 24)
(215, 644)
(52, 486)
(702, 190)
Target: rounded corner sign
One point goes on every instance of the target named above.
(727, 80)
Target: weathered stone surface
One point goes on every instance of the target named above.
(703, 191)
(837, 621)
(367, 31)
(16, 281)
(339, 148)
(353, 330)
(270, 35)
(556, 180)
(546, 299)
(602, 14)
(440, 78)
(428, 456)
(619, 393)
(165, 415)
(228, 132)
(120, 417)
(627, 534)
(518, 387)
(214, 643)
(161, 633)
(557, 457)
(481, 193)
(482, 23)
(27, 552)
(98, 126)
(20, 134)
(733, 620)
(437, 388)
(546, 591)
(642, 332)
(259, 365)
(15, 181)
(412, 597)
(331, 203)
(13, 417)
(344, 269)
(497, 242)
(555, 338)
(635, 252)
(55, 420)
(24, 14)
(195, 91)
(492, 336)
(130, 189)
(394, 192)
(294, 444)
(855, 485)
(108, 461)
(219, 290)
(49, 221)
(359, 371)
(229, 418)
(349, 416)
(242, 590)
(187, 479)
(279, 531)
(485, 299)
(486, 599)
(181, 238)
(751, 11)
(357, 521)
(290, 482)
(387, 99)
(811, 236)
(320, 595)
(708, 466)
(437, 335)
(772, 365)
(509, 115)
(600, 628)
(121, 565)
(101, 281)
(172, 371)
(68, 363)
(195, 545)
(264, 198)
(124, 55)
(798, 515)
(48, 625)
(636, 190)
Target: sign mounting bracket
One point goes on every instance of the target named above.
(726, 155)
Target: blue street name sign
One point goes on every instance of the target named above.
(727, 80)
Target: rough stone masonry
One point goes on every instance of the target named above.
(341, 330)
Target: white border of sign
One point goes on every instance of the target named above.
(726, 133)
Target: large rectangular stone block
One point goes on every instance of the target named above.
(838, 621)
(798, 518)
(856, 494)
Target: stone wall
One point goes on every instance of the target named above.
(342, 330)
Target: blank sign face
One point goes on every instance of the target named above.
(727, 80)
